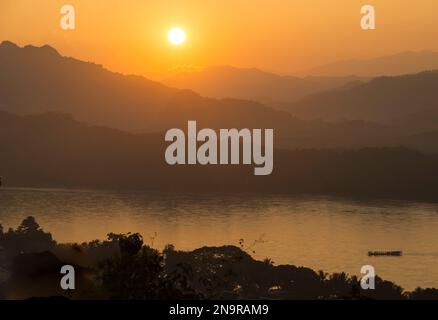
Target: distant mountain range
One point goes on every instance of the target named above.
(386, 111)
(54, 150)
(280, 90)
(253, 84)
(410, 101)
(391, 65)
(69, 123)
(38, 79)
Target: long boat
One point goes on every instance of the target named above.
(385, 253)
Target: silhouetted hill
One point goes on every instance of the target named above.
(408, 100)
(397, 64)
(35, 80)
(253, 84)
(123, 267)
(53, 150)
(425, 141)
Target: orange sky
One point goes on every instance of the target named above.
(276, 35)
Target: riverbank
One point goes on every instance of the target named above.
(122, 267)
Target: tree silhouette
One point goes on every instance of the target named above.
(138, 273)
(28, 225)
(28, 237)
(128, 269)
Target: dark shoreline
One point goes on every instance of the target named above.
(105, 270)
(205, 192)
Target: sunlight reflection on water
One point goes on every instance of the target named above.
(319, 232)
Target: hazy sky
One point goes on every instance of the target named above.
(278, 35)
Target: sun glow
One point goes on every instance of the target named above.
(176, 36)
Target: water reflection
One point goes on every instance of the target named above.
(319, 232)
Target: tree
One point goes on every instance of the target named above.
(27, 238)
(138, 273)
(28, 225)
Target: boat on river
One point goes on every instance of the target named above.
(385, 253)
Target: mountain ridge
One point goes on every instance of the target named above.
(33, 80)
(385, 100)
(56, 151)
(254, 84)
(390, 65)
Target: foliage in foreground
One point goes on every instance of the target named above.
(122, 267)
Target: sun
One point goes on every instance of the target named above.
(176, 36)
